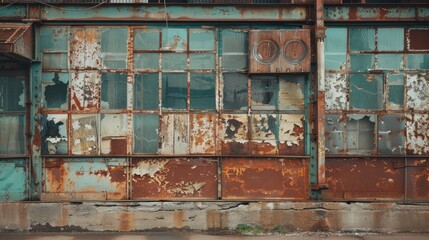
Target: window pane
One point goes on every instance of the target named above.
(146, 91)
(114, 47)
(235, 91)
(390, 39)
(113, 91)
(114, 133)
(418, 61)
(395, 84)
(264, 93)
(390, 61)
(174, 61)
(12, 138)
(203, 61)
(391, 134)
(366, 91)
(334, 134)
(362, 39)
(146, 39)
(234, 49)
(175, 90)
(54, 38)
(202, 40)
(291, 93)
(361, 62)
(174, 39)
(54, 134)
(146, 133)
(146, 60)
(55, 61)
(12, 97)
(203, 91)
(336, 48)
(55, 90)
(360, 133)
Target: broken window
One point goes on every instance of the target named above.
(54, 134)
(55, 90)
(174, 39)
(114, 47)
(391, 134)
(234, 49)
(203, 91)
(113, 91)
(146, 91)
(175, 90)
(146, 129)
(114, 134)
(334, 134)
(361, 134)
(265, 93)
(12, 94)
(336, 48)
(366, 91)
(235, 91)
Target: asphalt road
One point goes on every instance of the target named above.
(200, 236)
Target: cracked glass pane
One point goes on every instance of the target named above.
(366, 91)
(146, 133)
(55, 90)
(361, 133)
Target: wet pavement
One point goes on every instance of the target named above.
(204, 236)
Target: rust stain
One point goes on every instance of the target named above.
(126, 221)
(117, 174)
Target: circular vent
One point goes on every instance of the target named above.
(295, 51)
(266, 51)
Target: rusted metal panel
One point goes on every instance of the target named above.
(374, 13)
(234, 134)
(264, 132)
(174, 134)
(418, 91)
(417, 133)
(85, 48)
(418, 39)
(203, 133)
(291, 134)
(391, 134)
(85, 132)
(335, 134)
(13, 179)
(264, 179)
(159, 179)
(85, 91)
(85, 179)
(364, 179)
(336, 91)
(417, 180)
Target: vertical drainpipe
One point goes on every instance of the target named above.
(320, 43)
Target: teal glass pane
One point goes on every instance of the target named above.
(54, 38)
(114, 47)
(418, 61)
(12, 137)
(174, 61)
(265, 91)
(335, 48)
(395, 84)
(361, 62)
(55, 61)
(202, 61)
(55, 90)
(146, 39)
(146, 60)
(390, 61)
(201, 40)
(234, 49)
(146, 133)
(113, 91)
(235, 91)
(146, 91)
(366, 91)
(174, 39)
(175, 90)
(362, 39)
(390, 39)
(12, 94)
(203, 91)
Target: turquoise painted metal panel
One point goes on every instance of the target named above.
(13, 180)
(85, 179)
(385, 13)
(186, 13)
(13, 12)
(336, 13)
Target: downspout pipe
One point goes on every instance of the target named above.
(320, 44)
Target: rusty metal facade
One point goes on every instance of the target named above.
(194, 109)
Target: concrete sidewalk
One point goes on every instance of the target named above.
(201, 236)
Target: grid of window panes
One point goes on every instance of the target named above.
(371, 79)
